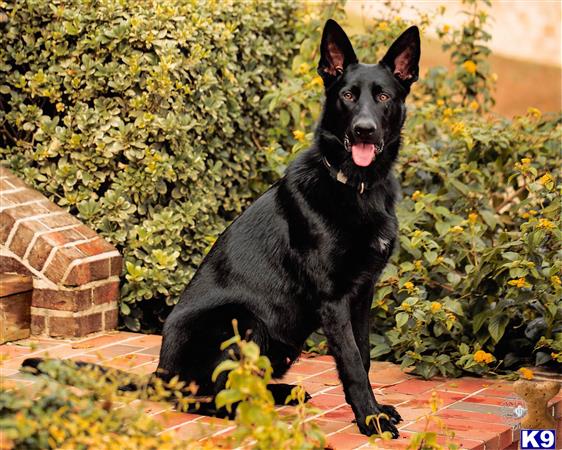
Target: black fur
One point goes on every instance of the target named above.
(308, 252)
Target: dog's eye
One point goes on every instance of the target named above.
(347, 95)
(382, 97)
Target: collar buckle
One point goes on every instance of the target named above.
(339, 176)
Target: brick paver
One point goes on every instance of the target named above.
(472, 408)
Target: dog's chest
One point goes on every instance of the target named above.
(367, 246)
(360, 251)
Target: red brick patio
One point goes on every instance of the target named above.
(471, 407)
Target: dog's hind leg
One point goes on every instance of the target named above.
(191, 347)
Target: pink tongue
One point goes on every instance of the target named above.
(362, 154)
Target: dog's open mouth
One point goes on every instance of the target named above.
(363, 153)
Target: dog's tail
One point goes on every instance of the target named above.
(60, 370)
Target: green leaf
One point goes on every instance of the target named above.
(401, 319)
(430, 256)
(497, 326)
(489, 217)
(442, 228)
(226, 365)
(379, 350)
(132, 323)
(227, 397)
(479, 320)
(284, 118)
(454, 278)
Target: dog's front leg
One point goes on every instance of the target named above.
(336, 321)
(360, 311)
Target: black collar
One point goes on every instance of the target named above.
(338, 175)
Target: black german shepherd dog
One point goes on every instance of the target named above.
(308, 252)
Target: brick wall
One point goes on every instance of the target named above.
(75, 272)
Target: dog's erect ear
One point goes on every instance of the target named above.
(403, 56)
(336, 52)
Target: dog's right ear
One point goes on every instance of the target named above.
(336, 52)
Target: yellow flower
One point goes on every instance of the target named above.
(533, 212)
(470, 67)
(494, 77)
(456, 229)
(405, 306)
(418, 264)
(546, 224)
(382, 304)
(409, 285)
(383, 26)
(303, 68)
(298, 135)
(417, 233)
(534, 112)
(483, 357)
(440, 102)
(473, 218)
(555, 280)
(526, 373)
(451, 317)
(435, 306)
(416, 196)
(316, 81)
(546, 179)
(448, 112)
(520, 283)
(60, 107)
(446, 28)
(474, 105)
(526, 161)
(458, 128)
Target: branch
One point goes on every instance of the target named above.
(510, 198)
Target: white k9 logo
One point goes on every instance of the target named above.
(542, 439)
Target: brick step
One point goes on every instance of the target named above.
(75, 271)
(15, 306)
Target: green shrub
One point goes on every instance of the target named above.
(92, 414)
(140, 118)
(480, 237)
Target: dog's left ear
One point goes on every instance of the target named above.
(403, 56)
(336, 52)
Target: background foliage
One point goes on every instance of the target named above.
(141, 118)
(160, 123)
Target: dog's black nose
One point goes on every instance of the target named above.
(364, 130)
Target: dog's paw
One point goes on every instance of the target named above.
(384, 419)
(391, 412)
